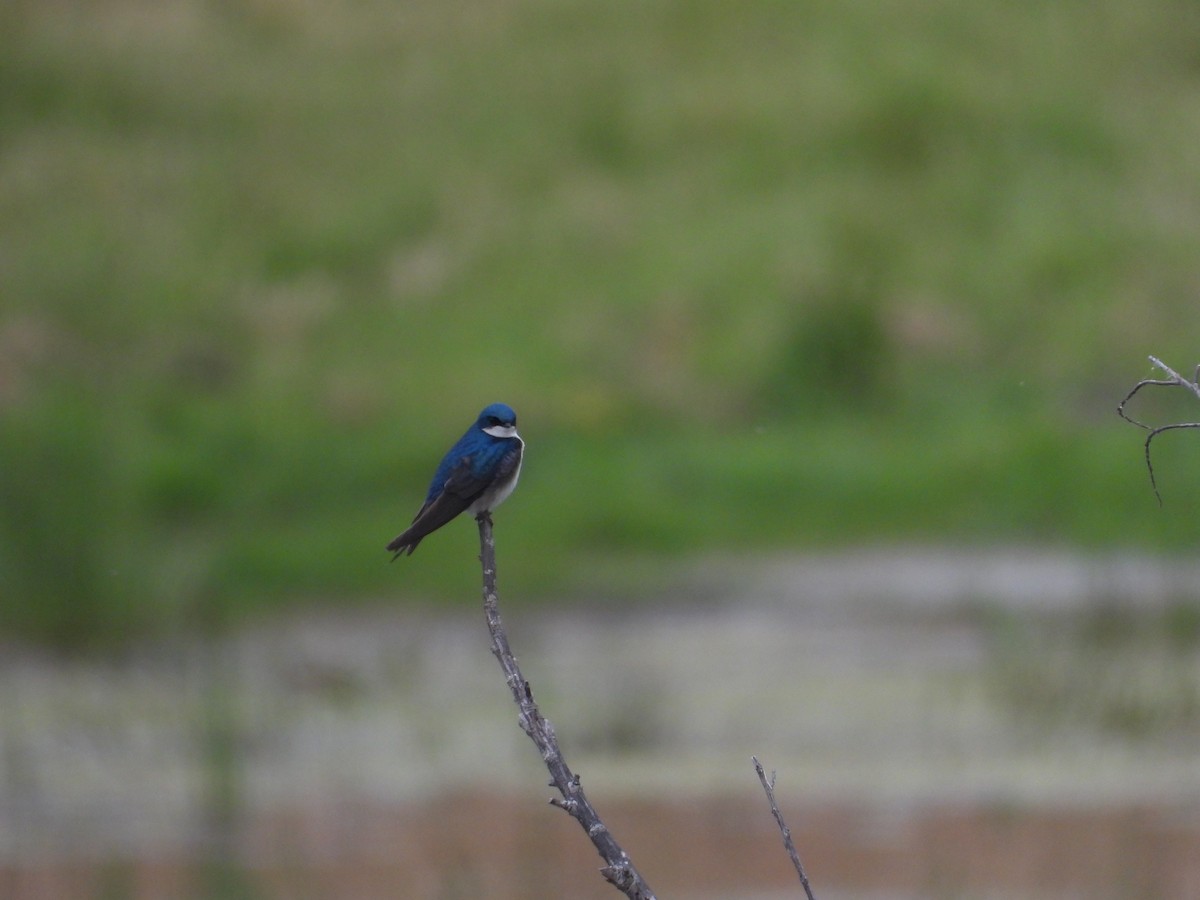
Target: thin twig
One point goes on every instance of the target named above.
(769, 786)
(1173, 379)
(618, 868)
(1192, 385)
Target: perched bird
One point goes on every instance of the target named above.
(478, 473)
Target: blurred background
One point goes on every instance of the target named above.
(816, 317)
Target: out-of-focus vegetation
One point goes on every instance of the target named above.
(756, 276)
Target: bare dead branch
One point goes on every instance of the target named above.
(769, 786)
(618, 869)
(1173, 379)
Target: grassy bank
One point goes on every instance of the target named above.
(755, 277)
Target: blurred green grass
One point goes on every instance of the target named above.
(755, 276)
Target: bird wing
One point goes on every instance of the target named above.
(463, 486)
(510, 460)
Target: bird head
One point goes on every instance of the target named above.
(498, 420)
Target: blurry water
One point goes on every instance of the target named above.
(892, 681)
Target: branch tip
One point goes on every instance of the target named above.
(769, 787)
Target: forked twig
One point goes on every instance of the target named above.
(769, 786)
(1173, 379)
(618, 869)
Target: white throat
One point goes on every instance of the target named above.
(501, 431)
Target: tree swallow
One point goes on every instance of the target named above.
(478, 473)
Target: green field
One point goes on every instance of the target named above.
(756, 276)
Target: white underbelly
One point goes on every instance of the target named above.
(497, 493)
